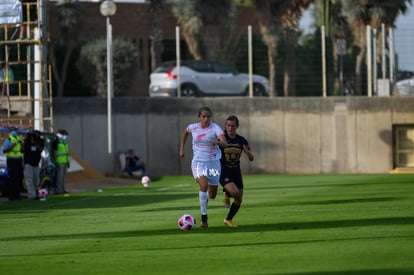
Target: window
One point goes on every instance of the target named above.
(221, 68)
(403, 146)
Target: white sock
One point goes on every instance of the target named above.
(203, 196)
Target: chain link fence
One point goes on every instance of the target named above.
(300, 63)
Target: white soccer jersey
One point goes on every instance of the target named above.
(202, 138)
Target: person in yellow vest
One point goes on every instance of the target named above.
(12, 148)
(61, 160)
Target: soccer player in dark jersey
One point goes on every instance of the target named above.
(231, 177)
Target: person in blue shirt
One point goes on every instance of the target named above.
(134, 163)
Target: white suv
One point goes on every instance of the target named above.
(204, 78)
(404, 87)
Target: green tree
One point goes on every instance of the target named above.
(92, 64)
(280, 19)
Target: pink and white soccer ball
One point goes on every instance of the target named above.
(186, 222)
(42, 194)
(145, 180)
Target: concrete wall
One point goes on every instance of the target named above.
(287, 135)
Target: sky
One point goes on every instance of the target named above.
(404, 40)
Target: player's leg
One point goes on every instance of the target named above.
(226, 198)
(199, 173)
(232, 190)
(213, 177)
(237, 194)
(212, 191)
(203, 198)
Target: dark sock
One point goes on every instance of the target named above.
(233, 211)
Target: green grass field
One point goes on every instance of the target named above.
(288, 224)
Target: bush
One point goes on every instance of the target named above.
(93, 65)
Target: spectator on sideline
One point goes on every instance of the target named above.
(133, 163)
(32, 150)
(61, 159)
(12, 148)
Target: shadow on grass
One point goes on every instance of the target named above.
(364, 181)
(344, 201)
(256, 228)
(362, 272)
(85, 201)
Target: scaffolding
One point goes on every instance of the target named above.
(25, 75)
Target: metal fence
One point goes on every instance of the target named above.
(316, 61)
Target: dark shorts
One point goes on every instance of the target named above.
(228, 176)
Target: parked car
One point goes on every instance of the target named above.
(204, 78)
(404, 87)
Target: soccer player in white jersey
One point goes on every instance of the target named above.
(207, 138)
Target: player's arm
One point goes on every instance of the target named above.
(182, 143)
(220, 142)
(248, 152)
(8, 146)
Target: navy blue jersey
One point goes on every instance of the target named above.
(230, 160)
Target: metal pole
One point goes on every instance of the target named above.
(249, 35)
(37, 109)
(109, 80)
(341, 75)
(374, 62)
(369, 61)
(323, 61)
(392, 60)
(178, 56)
(383, 67)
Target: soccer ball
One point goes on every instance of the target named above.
(145, 180)
(42, 193)
(186, 222)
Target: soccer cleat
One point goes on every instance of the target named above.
(226, 200)
(230, 223)
(203, 223)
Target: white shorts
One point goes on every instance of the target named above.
(210, 169)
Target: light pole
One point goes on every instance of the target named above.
(108, 9)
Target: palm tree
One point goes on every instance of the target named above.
(278, 18)
(361, 13)
(196, 18)
(329, 13)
